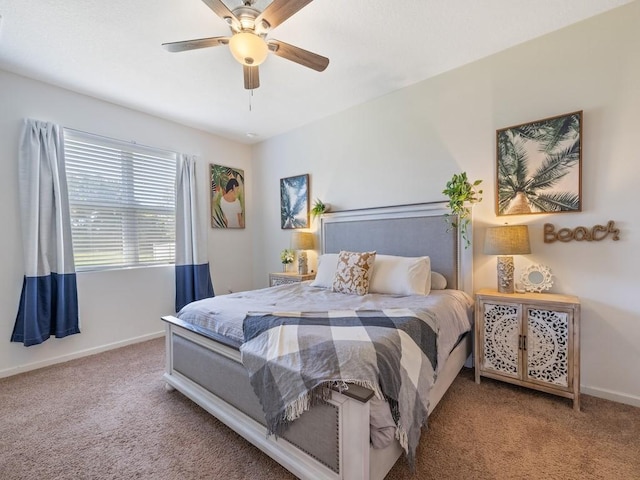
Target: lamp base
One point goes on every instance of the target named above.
(302, 263)
(505, 274)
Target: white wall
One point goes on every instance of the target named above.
(403, 147)
(120, 306)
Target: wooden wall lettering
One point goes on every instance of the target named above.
(581, 234)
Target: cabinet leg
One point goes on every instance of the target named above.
(576, 403)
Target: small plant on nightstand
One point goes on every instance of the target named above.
(287, 256)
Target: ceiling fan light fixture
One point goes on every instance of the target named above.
(248, 48)
(249, 30)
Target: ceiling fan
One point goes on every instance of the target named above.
(248, 41)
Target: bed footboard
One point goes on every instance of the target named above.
(330, 441)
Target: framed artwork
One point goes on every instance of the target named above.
(227, 196)
(294, 202)
(539, 166)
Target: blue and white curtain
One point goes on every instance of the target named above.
(193, 280)
(49, 300)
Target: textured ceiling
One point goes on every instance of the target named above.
(111, 50)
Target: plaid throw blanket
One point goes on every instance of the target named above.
(293, 358)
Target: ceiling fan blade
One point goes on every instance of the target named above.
(298, 55)
(279, 10)
(222, 11)
(251, 77)
(196, 43)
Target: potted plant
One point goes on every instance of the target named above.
(462, 195)
(319, 207)
(286, 257)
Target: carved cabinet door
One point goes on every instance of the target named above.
(548, 331)
(500, 336)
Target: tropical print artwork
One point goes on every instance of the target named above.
(539, 166)
(227, 197)
(294, 202)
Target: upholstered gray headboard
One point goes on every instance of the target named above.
(408, 230)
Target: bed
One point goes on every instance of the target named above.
(332, 439)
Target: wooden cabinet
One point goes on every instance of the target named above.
(529, 339)
(286, 277)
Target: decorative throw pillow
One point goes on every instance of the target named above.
(353, 272)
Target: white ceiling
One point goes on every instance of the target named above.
(111, 50)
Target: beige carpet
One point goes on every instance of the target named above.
(108, 417)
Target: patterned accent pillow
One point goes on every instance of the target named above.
(353, 272)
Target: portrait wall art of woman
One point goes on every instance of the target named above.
(227, 197)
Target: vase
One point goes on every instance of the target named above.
(285, 267)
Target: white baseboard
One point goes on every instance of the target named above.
(82, 353)
(611, 395)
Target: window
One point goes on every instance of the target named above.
(122, 202)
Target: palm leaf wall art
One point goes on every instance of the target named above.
(294, 202)
(539, 166)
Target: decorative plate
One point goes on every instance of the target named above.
(537, 278)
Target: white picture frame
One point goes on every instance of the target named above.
(536, 278)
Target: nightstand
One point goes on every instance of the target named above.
(529, 339)
(285, 278)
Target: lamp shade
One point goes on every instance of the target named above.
(302, 241)
(507, 240)
(248, 48)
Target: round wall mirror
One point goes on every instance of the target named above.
(536, 278)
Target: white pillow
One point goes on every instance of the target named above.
(438, 281)
(394, 275)
(327, 265)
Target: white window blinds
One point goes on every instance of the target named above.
(122, 202)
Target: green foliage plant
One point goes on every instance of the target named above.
(318, 208)
(462, 195)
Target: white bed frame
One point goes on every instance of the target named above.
(357, 459)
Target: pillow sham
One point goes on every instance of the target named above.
(438, 281)
(327, 264)
(393, 275)
(353, 272)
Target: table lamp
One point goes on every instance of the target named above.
(302, 241)
(506, 241)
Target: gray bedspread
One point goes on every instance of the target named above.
(294, 358)
(222, 316)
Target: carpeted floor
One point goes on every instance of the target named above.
(108, 416)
